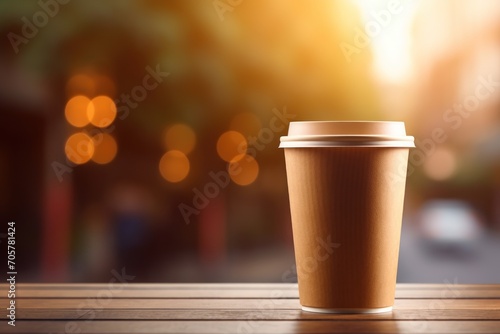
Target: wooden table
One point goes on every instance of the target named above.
(241, 308)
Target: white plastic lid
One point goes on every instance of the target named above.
(346, 133)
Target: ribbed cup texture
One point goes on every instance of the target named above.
(346, 208)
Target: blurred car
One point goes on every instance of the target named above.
(449, 227)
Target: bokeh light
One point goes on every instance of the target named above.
(76, 111)
(90, 85)
(104, 86)
(247, 123)
(230, 145)
(105, 148)
(243, 169)
(79, 148)
(80, 84)
(174, 166)
(180, 137)
(101, 111)
(440, 165)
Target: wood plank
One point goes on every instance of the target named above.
(261, 314)
(245, 286)
(449, 293)
(154, 286)
(155, 294)
(257, 327)
(232, 291)
(242, 308)
(420, 286)
(238, 294)
(277, 303)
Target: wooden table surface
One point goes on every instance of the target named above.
(241, 308)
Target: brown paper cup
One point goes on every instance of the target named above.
(346, 199)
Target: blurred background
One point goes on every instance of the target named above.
(143, 134)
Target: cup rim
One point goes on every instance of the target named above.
(394, 136)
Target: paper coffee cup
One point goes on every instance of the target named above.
(346, 183)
